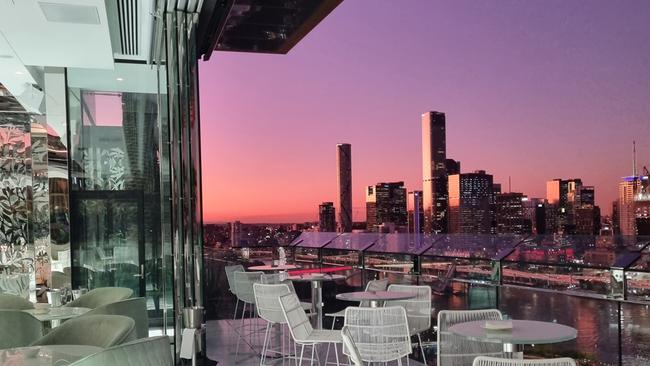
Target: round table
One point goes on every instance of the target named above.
(45, 355)
(375, 297)
(268, 268)
(523, 332)
(317, 291)
(58, 313)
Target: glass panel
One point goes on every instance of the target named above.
(596, 321)
(16, 240)
(115, 134)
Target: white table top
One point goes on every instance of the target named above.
(375, 296)
(45, 355)
(522, 332)
(58, 313)
(317, 277)
(285, 267)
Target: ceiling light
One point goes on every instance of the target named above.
(119, 79)
(19, 72)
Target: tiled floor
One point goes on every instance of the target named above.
(222, 347)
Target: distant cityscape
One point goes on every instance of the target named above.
(456, 202)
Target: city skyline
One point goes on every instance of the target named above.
(524, 100)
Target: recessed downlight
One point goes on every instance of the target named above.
(119, 79)
(19, 72)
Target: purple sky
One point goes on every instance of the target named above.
(534, 90)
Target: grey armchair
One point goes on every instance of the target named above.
(13, 302)
(18, 329)
(94, 330)
(135, 309)
(101, 296)
(153, 351)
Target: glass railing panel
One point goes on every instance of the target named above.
(580, 280)
(595, 320)
(635, 338)
(473, 246)
(313, 239)
(404, 243)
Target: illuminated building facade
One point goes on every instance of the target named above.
(469, 203)
(434, 173)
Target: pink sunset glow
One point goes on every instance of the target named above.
(531, 90)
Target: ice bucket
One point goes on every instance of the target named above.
(193, 317)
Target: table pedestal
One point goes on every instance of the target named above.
(317, 302)
(513, 351)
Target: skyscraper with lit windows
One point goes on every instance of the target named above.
(434, 172)
(326, 217)
(469, 203)
(386, 204)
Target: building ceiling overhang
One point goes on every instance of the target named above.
(262, 26)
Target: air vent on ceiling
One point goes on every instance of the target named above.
(68, 13)
(129, 31)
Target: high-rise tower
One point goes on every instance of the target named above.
(434, 173)
(344, 168)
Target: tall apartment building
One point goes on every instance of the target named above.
(386, 204)
(469, 202)
(327, 217)
(434, 172)
(509, 213)
(344, 176)
(415, 212)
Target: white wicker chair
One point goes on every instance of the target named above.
(267, 299)
(349, 348)
(374, 285)
(230, 270)
(301, 330)
(454, 350)
(380, 334)
(493, 361)
(243, 282)
(283, 278)
(418, 310)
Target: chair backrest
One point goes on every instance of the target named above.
(418, 309)
(244, 285)
(267, 300)
(374, 285)
(493, 361)
(14, 302)
(278, 278)
(296, 318)
(153, 351)
(454, 350)
(101, 296)
(350, 348)
(135, 309)
(230, 270)
(380, 334)
(94, 330)
(18, 329)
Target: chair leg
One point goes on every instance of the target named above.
(424, 358)
(302, 351)
(241, 329)
(234, 317)
(336, 354)
(266, 337)
(327, 354)
(313, 347)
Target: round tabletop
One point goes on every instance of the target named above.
(375, 296)
(58, 313)
(320, 277)
(522, 332)
(284, 267)
(45, 355)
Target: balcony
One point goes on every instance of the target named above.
(598, 285)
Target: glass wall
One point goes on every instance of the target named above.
(116, 119)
